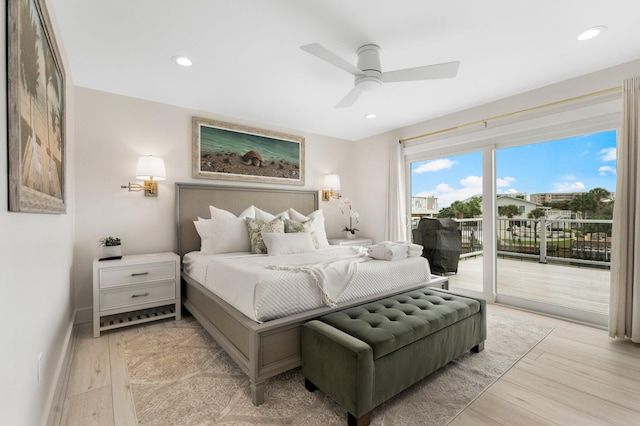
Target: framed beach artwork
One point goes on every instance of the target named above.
(233, 152)
(36, 111)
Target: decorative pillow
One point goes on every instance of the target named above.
(268, 217)
(318, 224)
(224, 232)
(258, 227)
(298, 242)
(293, 226)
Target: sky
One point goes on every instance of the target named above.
(575, 164)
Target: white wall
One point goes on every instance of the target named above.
(113, 130)
(372, 152)
(35, 284)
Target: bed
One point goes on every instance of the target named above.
(261, 349)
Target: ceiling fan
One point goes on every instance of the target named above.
(368, 74)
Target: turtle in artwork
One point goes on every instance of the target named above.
(252, 158)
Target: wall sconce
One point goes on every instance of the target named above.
(151, 170)
(331, 187)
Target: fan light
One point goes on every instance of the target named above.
(368, 83)
(591, 33)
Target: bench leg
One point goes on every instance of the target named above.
(309, 386)
(478, 348)
(363, 420)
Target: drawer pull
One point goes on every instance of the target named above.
(139, 273)
(140, 295)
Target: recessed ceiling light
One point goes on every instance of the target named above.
(182, 60)
(370, 116)
(591, 33)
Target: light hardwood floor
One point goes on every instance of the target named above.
(577, 375)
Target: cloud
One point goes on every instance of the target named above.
(435, 165)
(569, 187)
(472, 181)
(505, 181)
(607, 154)
(469, 186)
(447, 194)
(444, 187)
(604, 170)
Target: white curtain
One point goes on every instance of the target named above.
(395, 227)
(624, 311)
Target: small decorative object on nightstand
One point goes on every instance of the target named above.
(111, 248)
(134, 290)
(357, 241)
(346, 206)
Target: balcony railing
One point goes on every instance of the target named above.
(563, 240)
(570, 240)
(472, 236)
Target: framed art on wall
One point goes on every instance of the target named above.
(233, 152)
(36, 111)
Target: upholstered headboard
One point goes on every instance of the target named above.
(193, 200)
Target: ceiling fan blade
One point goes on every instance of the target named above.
(351, 98)
(428, 72)
(326, 55)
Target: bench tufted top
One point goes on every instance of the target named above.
(397, 321)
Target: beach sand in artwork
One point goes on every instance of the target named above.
(228, 162)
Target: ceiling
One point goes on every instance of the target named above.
(248, 65)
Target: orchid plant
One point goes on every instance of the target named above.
(354, 217)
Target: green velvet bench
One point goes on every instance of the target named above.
(362, 356)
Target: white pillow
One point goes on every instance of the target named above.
(298, 242)
(318, 224)
(268, 217)
(203, 226)
(224, 232)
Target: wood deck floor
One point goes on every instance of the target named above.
(577, 287)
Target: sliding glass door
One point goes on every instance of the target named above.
(554, 217)
(446, 213)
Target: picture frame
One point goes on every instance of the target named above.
(230, 151)
(36, 111)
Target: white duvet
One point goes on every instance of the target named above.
(267, 287)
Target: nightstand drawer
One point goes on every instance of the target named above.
(137, 295)
(137, 274)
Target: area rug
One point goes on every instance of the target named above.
(179, 375)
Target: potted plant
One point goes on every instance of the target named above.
(111, 247)
(354, 217)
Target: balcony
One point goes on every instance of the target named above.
(561, 240)
(579, 287)
(561, 262)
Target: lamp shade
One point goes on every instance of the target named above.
(150, 168)
(332, 182)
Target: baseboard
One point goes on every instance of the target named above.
(83, 315)
(54, 403)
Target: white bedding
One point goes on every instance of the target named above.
(244, 280)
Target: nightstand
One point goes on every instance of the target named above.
(134, 290)
(358, 241)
